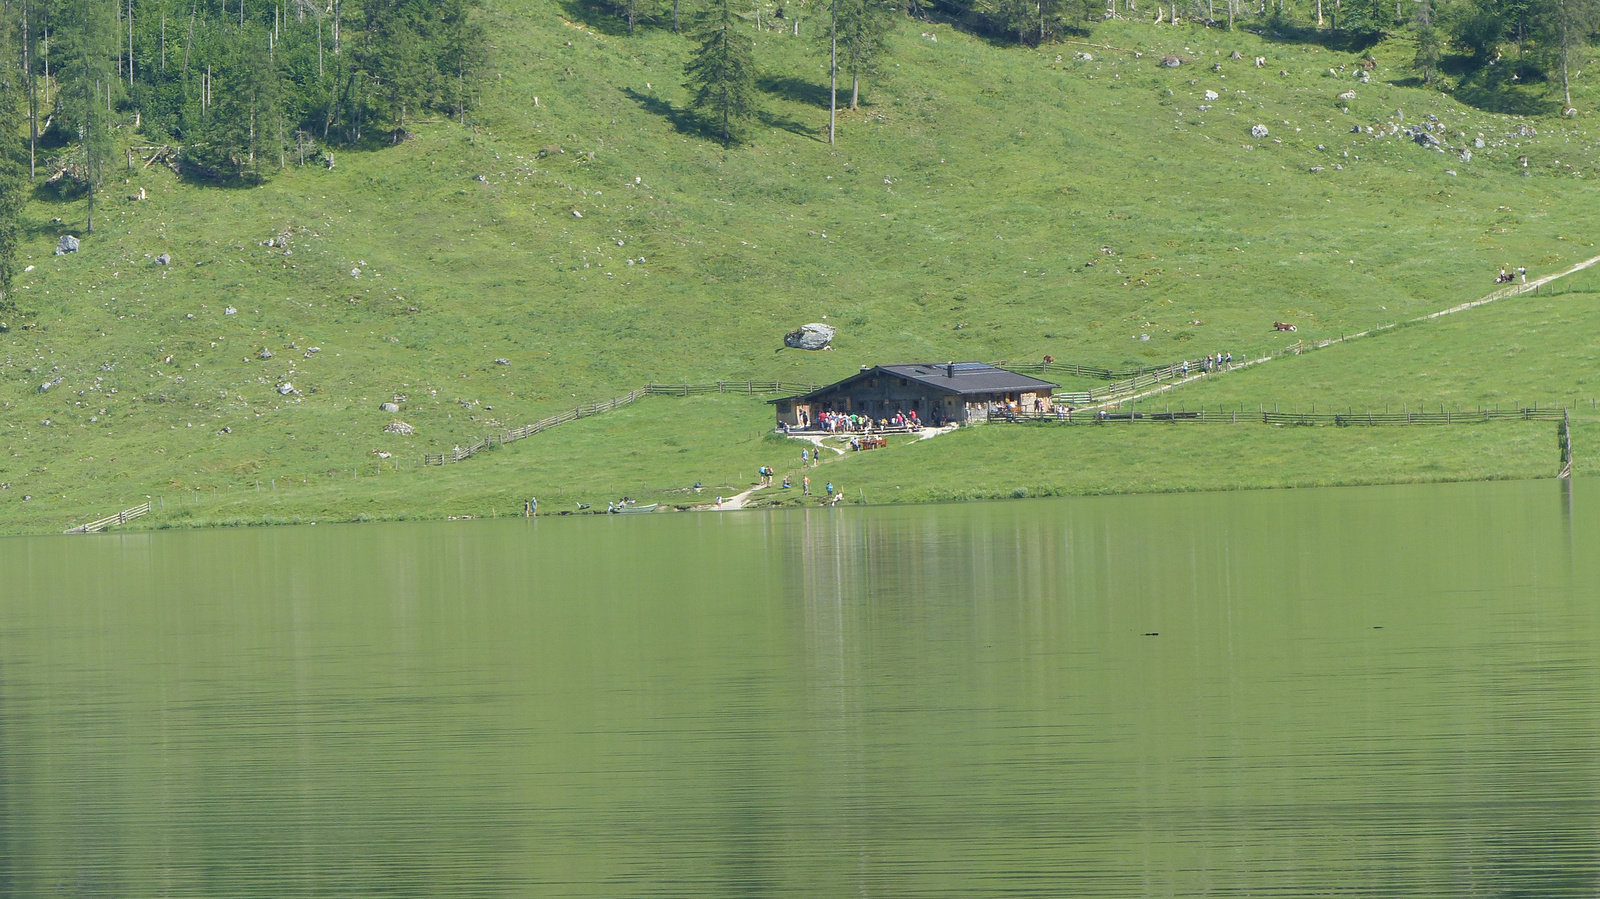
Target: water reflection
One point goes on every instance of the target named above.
(1379, 692)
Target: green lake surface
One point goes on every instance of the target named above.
(1365, 692)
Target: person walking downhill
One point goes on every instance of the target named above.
(805, 485)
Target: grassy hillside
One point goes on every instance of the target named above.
(964, 214)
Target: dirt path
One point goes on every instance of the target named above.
(741, 500)
(1501, 294)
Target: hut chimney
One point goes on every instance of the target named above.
(950, 370)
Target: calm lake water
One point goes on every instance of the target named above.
(1382, 692)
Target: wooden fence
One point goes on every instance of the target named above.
(1336, 419)
(122, 517)
(749, 388)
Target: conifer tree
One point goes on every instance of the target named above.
(87, 44)
(863, 28)
(1429, 46)
(722, 73)
(12, 175)
(1567, 25)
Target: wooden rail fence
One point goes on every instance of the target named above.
(1336, 419)
(122, 517)
(750, 388)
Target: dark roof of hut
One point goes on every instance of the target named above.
(957, 378)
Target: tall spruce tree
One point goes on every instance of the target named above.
(86, 45)
(1429, 47)
(722, 73)
(13, 183)
(863, 28)
(1567, 26)
(462, 55)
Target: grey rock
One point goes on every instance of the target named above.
(264, 354)
(399, 427)
(810, 337)
(1258, 131)
(285, 388)
(389, 407)
(1171, 62)
(163, 259)
(1466, 155)
(502, 362)
(1477, 143)
(67, 244)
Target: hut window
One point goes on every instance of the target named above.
(784, 409)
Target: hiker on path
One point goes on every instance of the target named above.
(805, 485)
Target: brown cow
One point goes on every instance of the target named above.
(1283, 326)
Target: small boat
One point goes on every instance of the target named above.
(624, 510)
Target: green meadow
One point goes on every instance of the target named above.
(581, 236)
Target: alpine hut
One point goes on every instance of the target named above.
(953, 392)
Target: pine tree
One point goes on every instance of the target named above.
(86, 45)
(13, 176)
(863, 28)
(1567, 26)
(1429, 46)
(722, 73)
(462, 56)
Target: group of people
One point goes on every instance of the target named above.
(1219, 361)
(851, 422)
(1506, 276)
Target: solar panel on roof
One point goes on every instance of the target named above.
(973, 366)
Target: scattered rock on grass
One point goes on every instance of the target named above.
(1258, 131)
(810, 337)
(67, 244)
(399, 427)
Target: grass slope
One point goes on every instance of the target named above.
(957, 219)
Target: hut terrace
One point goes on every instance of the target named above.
(953, 392)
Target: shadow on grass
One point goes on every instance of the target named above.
(607, 18)
(789, 125)
(1511, 87)
(797, 90)
(1338, 40)
(682, 120)
(1508, 98)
